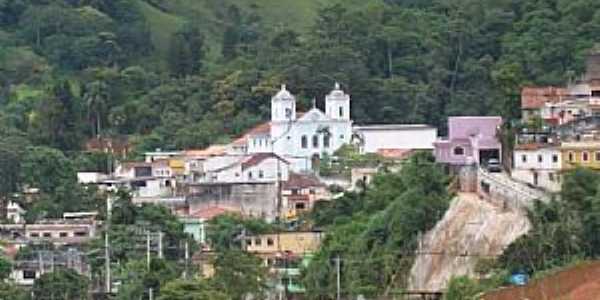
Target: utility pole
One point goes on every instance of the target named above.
(107, 262)
(148, 249)
(160, 244)
(187, 257)
(337, 271)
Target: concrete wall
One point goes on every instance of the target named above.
(251, 199)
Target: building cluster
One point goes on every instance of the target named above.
(561, 130)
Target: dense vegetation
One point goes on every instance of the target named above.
(178, 74)
(375, 231)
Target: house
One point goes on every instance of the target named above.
(257, 167)
(254, 199)
(285, 254)
(195, 224)
(374, 138)
(471, 140)
(159, 154)
(14, 213)
(38, 262)
(539, 165)
(118, 146)
(55, 231)
(584, 154)
(534, 99)
(300, 192)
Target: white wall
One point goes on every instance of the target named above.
(401, 138)
(532, 161)
(547, 171)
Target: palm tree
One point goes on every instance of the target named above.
(96, 97)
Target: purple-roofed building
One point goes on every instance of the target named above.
(470, 140)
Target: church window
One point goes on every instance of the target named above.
(304, 142)
(315, 141)
(326, 141)
(341, 112)
(261, 174)
(249, 175)
(288, 113)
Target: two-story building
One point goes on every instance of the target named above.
(471, 140)
(300, 192)
(539, 165)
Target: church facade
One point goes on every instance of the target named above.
(302, 138)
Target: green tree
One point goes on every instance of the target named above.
(63, 284)
(191, 290)
(46, 168)
(238, 274)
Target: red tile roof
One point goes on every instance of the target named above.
(257, 158)
(536, 97)
(395, 153)
(301, 181)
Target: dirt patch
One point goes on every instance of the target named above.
(470, 230)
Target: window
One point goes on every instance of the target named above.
(551, 176)
(34, 235)
(257, 242)
(28, 274)
(80, 233)
(249, 175)
(269, 242)
(47, 234)
(597, 156)
(312, 191)
(341, 109)
(295, 192)
(288, 113)
(540, 158)
(315, 141)
(326, 141)
(300, 206)
(554, 158)
(524, 158)
(341, 136)
(62, 234)
(596, 93)
(261, 174)
(571, 157)
(459, 151)
(585, 156)
(304, 142)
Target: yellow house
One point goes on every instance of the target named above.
(584, 153)
(177, 166)
(292, 242)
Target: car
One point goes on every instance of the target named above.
(493, 166)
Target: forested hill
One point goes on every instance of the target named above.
(186, 73)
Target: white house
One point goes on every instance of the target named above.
(257, 167)
(300, 138)
(538, 165)
(372, 138)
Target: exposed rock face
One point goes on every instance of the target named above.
(470, 229)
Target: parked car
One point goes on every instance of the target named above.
(493, 166)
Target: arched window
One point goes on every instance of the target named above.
(326, 141)
(585, 156)
(341, 112)
(459, 151)
(315, 141)
(304, 142)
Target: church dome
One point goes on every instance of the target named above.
(337, 92)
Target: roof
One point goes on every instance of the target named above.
(393, 127)
(395, 153)
(302, 181)
(257, 158)
(260, 129)
(532, 146)
(581, 145)
(283, 94)
(536, 97)
(212, 212)
(213, 150)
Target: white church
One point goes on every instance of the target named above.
(302, 138)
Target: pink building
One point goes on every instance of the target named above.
(470, 140)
